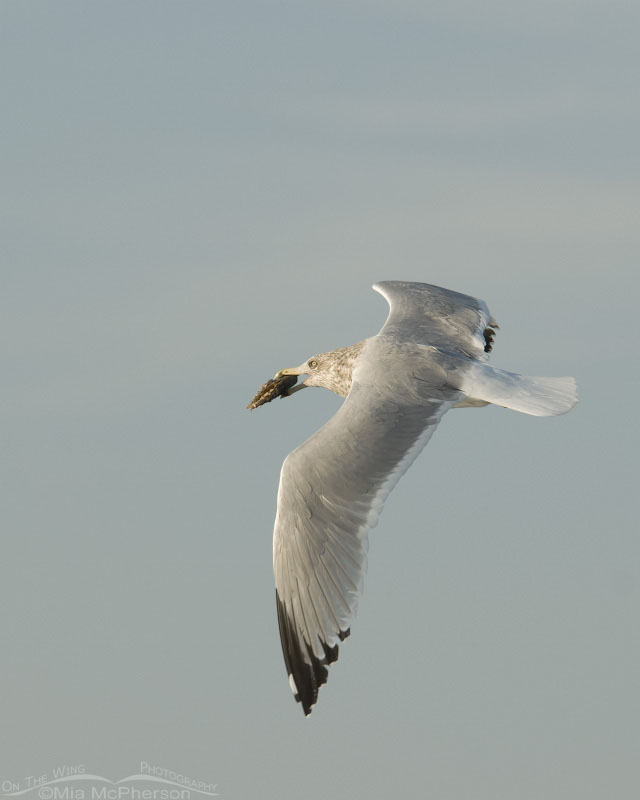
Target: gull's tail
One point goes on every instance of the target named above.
(542, 397)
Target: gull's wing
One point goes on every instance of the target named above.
(425, 314)
(462, 329)
(331, 492)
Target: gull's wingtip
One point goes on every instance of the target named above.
(381, 287)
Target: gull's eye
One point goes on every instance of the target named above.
(313, 363)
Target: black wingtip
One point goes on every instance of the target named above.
(489, 335)
(307, 673)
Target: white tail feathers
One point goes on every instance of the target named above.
(541, 397)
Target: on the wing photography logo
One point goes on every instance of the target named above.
(77, 783)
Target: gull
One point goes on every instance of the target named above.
(429, 356)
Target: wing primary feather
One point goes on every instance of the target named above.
(312, 582)
(307, 673)
(352, 587)
(329, 606)
(340, 601)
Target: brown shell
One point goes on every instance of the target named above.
(274, 387)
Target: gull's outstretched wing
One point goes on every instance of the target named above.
(430, 315)
(331, 492)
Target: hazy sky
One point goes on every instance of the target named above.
(197, 194)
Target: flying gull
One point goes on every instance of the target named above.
(430, 356)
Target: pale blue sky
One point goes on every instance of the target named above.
(197, 194)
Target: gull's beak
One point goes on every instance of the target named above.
(291, 371)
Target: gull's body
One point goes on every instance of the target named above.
(429, 357)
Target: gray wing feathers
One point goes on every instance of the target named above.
(331, 492)
(438, 317)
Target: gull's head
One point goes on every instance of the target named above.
(332, 370)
